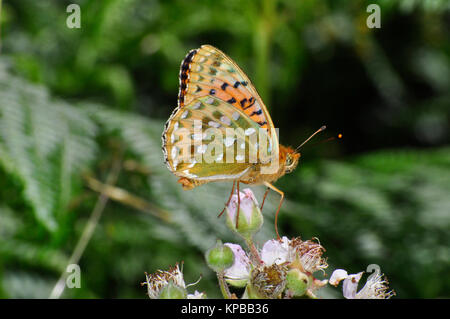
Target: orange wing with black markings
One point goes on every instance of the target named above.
(209, 71)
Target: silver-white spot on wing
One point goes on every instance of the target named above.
(249, 131)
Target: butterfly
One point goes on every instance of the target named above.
(216, 98)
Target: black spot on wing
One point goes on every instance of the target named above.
(252, 101)
(259, 112)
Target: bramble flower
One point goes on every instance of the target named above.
(376, 286)
(309, 254)
(168, 284)
(161, 278)
(249, 220)
(306, 254)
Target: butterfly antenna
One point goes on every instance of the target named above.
(339, 136)
(318, 131)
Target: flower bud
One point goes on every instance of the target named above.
(219, 257)
(249, 220)
(172, 291)
(297, 282)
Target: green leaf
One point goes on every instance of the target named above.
(44, 143)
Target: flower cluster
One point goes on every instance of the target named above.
(282, 268)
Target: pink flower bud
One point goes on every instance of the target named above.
(248, 201)
(249, 220)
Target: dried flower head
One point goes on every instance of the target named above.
(268, 281)
(309, 254)
(161, 278)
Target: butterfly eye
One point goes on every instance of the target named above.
(288, 160)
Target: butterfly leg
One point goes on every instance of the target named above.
(239, 204)
(228, 201)
(264, 198)
(279, 205)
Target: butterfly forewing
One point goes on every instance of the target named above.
(209, 71)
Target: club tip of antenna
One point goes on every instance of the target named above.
(323, 128)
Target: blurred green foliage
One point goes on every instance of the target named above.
(75, 101)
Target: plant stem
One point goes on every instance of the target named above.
(122, 196)
(88, 231)
(223, 285)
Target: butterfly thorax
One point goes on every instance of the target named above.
(288, 160)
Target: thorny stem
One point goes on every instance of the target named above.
(223, 285)
(88, 231)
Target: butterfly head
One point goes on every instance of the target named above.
(289, 157)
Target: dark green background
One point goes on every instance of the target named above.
(75, 101)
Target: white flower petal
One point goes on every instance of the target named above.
(196, 295)
(337, 276)
(275, 251)
(240, 270)
(350, 285)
